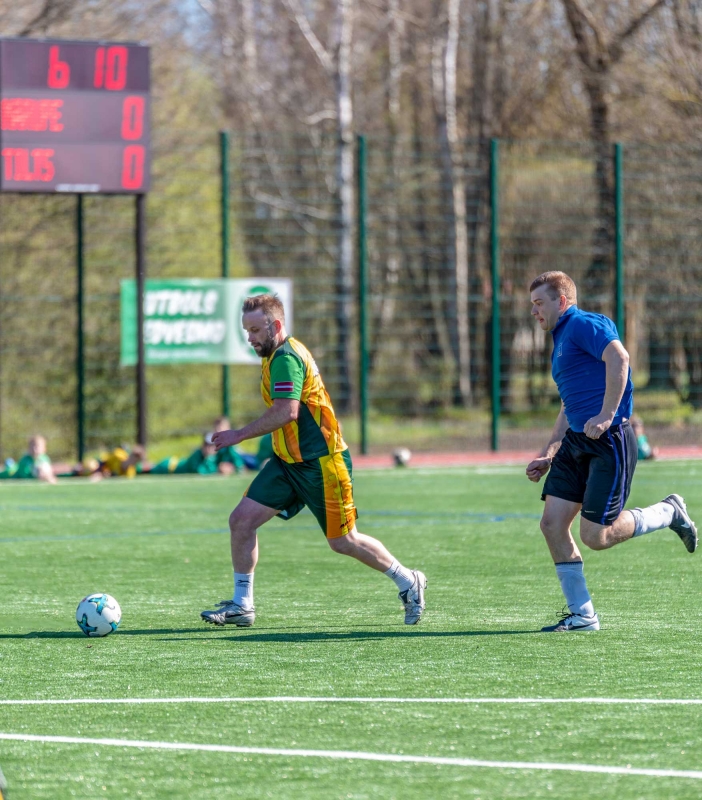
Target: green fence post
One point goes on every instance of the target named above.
(362, 292)
(80, 348)
(224, 210)
(495, 266)
(619, 238)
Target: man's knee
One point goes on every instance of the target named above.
(342, 544)
(593, 535)
(239, 522)
(550, 526)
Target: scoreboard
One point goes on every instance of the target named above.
(74, 117)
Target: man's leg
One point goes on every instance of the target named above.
(669, 513)
(602, 537)
(374, 554)
(556, 521)
(244, 523)
(604, 522)
(366, 549)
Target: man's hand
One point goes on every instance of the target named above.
(223, 439)
(596, 426)
(537, 468)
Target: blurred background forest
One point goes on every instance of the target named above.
(429, 83)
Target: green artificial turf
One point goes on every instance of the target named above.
(328, 627)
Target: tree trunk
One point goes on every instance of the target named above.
(599, 278)
(444, 83)
(391, 273)
(429, 284)
(345, 188)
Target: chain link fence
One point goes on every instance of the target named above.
(430, 262)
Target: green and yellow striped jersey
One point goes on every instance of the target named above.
(291, 373)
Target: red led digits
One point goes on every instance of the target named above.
(21, 164)
(133, 167)
(99, 74)
(132, 117)
(111, 68)
(59, 72)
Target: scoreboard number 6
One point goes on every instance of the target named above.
(59, 71)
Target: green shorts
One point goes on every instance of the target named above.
(324, 485)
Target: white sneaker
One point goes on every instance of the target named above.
(574, 622)
(413, 598)
(682, 523)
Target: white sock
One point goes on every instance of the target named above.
(402, 576)
(652, 518)
(572, 578)
(243, 590)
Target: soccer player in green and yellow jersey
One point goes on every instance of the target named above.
(310, 467)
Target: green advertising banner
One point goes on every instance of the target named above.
(194, 321)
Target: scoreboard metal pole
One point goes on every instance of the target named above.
(224, 210)
(80, 348)
(140, 278)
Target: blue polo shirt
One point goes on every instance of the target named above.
(579, 339)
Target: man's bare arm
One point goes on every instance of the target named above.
(616, 361)
(282, 412)
(557, 434)
(537, 468)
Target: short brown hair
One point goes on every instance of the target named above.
(558, 284)
(269, 304)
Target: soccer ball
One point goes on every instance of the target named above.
(98, 614)
(401, 456)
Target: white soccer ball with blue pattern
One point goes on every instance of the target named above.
(98, 614)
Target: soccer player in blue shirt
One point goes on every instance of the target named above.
(591, 455)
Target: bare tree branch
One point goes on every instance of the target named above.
(303, 24)
(603, 55)
(51, 13)
(578, 20)
(616, 48)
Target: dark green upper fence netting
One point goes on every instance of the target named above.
(429, 298)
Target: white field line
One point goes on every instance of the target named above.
(656, 701)
(352, 755)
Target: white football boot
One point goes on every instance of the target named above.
(230, 613)
(682, 523)
(574, 622)
(413, 598)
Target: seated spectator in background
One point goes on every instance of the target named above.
(35, 463)
(239, 458)
(120, 463)
(202, 461)
(229, 459)
(645, 451)
(265, 450)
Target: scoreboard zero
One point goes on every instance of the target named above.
(74, 117)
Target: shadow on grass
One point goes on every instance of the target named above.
(276, 635)
(326, 636)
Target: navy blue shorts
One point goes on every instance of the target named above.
(594, 472)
